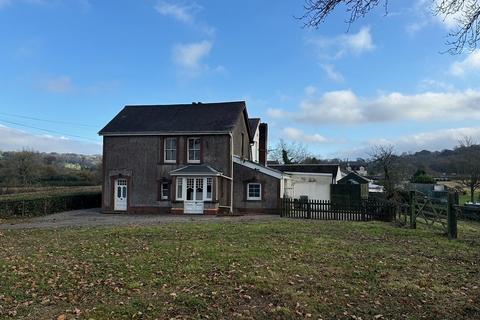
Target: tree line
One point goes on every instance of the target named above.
(30, 168)
(391, 168)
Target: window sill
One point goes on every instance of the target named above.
(254, 200)
(205, 201)
(169, 161)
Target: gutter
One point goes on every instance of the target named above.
(231, 172)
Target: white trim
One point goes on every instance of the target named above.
(213, 173)
(195, 174)
(265, 170)
(199, 150)
(163, 197)
(182, 198)
(205, 186)
(165, 150)
(259, 188)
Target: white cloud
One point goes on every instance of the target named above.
(359, 42)
(433, 140)
(345, 107)
(182, 13)
(310, 90)
(15, 140)
(60, 84)
(470, 64)
(339, 46)
(185, 14)
(189, 56)
(432, 84)
(297, 135)
(331, 73)
(277, 113)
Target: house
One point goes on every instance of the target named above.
(352, 185)
(308, 180)
(359, 169)
(199, 158)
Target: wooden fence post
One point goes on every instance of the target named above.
(413, 216)
(309, 210)
(451, 218)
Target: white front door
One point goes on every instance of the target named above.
(194, 202)
(120, 200)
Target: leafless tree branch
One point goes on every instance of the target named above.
(466, 14)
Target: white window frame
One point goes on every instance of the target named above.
(259, 191)
(162, 189)
(208, 181)
(183, 182)
(165, 150)
(199, 150)
(180, 182)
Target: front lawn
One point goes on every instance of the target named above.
(261, 270)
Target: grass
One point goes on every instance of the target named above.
(466, 197)
(284, 269)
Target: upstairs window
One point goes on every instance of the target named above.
(170, 150)
(254, 191)
(193, 150)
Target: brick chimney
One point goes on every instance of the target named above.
(262, 144)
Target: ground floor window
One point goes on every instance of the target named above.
(254, 191)
(194, 189)
(165, 191)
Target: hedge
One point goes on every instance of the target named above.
(46, 204)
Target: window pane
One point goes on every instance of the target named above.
(170, 149)
(190, 188)
(165, 190)
(124, 192)
(254, 190)
(209, 189)
(179, 188)
(119, 192)
(194, 149)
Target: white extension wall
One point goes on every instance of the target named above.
(313, 185)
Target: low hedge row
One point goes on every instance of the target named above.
(47, 204)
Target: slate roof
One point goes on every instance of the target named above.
(195, 169)
(352, 176)
(254, 122)
(177, 118)
(307, 168)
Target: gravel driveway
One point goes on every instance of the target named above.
(94, 218)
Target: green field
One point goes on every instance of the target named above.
(466, 197)
(284, 269)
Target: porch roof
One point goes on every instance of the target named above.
(195, 170)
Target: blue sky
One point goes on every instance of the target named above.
(76, 63)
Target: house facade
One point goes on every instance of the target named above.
(199, 158)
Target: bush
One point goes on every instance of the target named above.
(424, 179)
(46, 204)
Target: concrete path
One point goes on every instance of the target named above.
(94, 218)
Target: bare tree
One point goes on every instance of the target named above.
(23, 167)
(466, 14)
(469, 165)
(289, 152)
(384, 156)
